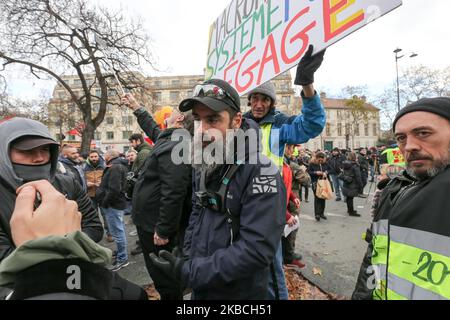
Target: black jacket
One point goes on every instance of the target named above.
(90, 222)
(335, 164)
(363, 162)
(352, 179)
(162, 195)
(314, 168)
(217, 269)
(406, 203)
(111, 193)
(48, 281)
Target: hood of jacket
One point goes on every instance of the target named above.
(13, 129)
(346, 165)
(143, 146)
(268, 118)
(100, 166)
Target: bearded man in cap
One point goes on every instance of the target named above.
(409, 241)
(28, 153)
(236, 221)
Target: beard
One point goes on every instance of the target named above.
(437, 167)
(210, 161)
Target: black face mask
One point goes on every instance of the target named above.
(32, 173)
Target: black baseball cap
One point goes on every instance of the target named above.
(216, 94)
(26, 143)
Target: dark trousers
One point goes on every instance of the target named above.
(319, 204)
(168, 289)
(350, 208)
(306, 191)
(364, 176)
(288, 246)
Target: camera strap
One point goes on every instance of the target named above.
(217, 200)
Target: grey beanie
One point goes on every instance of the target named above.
(267, 89)
(439, 106)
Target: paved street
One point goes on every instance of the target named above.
(333, 246)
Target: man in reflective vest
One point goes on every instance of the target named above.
(278, 129)
(409, 241)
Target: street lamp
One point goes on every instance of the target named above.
(397, 57)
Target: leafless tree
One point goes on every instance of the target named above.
(55, 38)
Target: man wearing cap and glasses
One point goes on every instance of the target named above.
(408, 256)
(28, 153)
(234, 228)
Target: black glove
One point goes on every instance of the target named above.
(169, 264)
(308, 66)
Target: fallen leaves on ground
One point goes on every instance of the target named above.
(152, 293)
(317, 271)
(301, 289)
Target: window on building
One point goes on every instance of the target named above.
(109, 135)
(286, 100)
(375, 129)
(61, 95)
(284, 86)
(72, 109)
(340, 145)
(157, 84)
(72, 137)
(328, 129)
(157, 96)
(176, 83)
(127, 120)
(109, 107)
(339, 129)
(96, 107)
(174, 95)
(77, 82)
(126, 134)
(125, 149)
(339, 114)
(358, 144)
(98, 93)
(356, 126)
(97, 135)
(109, 120)
(112, 92)
(366, 129)
(193, 82)
(347, 128)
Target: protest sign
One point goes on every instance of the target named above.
(253, 41)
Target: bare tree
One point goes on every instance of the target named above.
(358, 111)
(54, 38)
(421, 81)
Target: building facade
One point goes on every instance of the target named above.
(343, 131)
(120, 123)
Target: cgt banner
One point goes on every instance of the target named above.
(253, 41)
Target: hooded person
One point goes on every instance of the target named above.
(28, 153)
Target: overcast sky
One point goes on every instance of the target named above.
(179, 29)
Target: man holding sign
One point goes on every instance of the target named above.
(278, 129)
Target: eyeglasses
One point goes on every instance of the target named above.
(212, 91)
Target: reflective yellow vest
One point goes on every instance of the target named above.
(409, 264)
(395, 157)
(266, 132)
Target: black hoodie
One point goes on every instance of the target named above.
(9, 182)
